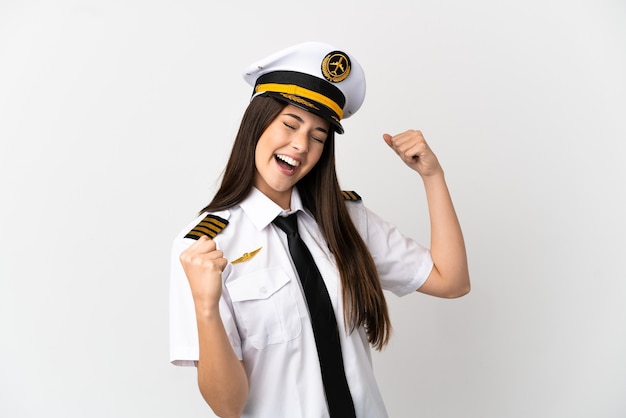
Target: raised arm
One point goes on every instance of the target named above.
(450, 276)
(222, 378)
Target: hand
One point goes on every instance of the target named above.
(203, 264)
(415, 152)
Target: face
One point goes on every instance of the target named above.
(287, 150)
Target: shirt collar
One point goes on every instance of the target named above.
(262, 210)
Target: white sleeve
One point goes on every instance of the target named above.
(183, 328)
(403, 264)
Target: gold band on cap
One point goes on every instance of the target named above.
(301, 91)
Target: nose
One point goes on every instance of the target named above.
(300, 142)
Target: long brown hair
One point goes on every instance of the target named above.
(364, 302)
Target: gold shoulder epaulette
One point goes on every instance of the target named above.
(210, 226)
(350, 195)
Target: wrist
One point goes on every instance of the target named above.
(437, 176)
(206, 311)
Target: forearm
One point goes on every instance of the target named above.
(449, 277)
(447, 243)
(221, 376)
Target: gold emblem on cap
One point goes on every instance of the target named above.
(246, 256)
(336, 66)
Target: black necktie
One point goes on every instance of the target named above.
(338, 396)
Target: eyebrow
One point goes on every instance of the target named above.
(299, 119)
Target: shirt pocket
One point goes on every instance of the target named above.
(265, 304)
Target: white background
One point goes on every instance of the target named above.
(117, 117)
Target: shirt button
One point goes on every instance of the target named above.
(263, 290)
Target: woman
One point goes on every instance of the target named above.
(241, 307)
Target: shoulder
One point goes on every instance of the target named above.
(212, 225)
(350, 196)
(209, 224)
(356, 209)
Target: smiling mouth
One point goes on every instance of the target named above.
(286, 161)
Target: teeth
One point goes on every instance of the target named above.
(288, 160)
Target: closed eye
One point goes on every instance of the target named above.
(316, 129)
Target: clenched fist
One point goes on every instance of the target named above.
(414, 151)
(203, 264)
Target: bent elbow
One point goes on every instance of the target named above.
(225, 409)
(461, 291)
(226, 401)
(455, 287)
(449, 286)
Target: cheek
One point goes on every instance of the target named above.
(316, 155)
(312, 160)
(260, 153)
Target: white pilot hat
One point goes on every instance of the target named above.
(314, 76)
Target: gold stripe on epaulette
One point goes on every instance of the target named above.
(350, 195)
(210, 226)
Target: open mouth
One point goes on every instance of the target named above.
(286, 162)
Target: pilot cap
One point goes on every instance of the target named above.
(314, 76)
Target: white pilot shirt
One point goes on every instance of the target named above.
(265, 313)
